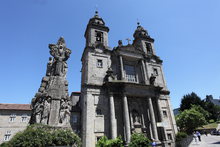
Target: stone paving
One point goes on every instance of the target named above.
(207, 141)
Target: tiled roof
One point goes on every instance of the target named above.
(15, 106)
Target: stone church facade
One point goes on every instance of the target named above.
(123, 90)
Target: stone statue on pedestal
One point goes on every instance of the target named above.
(51, 104)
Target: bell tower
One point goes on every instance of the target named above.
(143, 41)
(95, 63)
(96, 32)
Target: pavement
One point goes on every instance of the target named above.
(206, 141)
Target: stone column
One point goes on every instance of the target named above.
(161, 120)
(126, 119)
(122, 68)
(153, 121)
(112, 117)
(144, 71)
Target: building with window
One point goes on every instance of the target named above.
(13, 118)
(123, 90)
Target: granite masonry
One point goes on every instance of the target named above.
(123, 90)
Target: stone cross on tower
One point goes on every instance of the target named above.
(51, 103)
(128, 40)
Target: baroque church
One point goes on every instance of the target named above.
(123, 90)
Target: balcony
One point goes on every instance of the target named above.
(130, 78)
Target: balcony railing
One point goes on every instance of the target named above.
(130, 78)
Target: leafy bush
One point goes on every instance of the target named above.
(139, 140)
(189, 120)
(180, 136)
(105, 142)
(38, 135)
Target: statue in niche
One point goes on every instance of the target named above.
(60, 54)
(46, 111)
(136, 117)
(64, 111)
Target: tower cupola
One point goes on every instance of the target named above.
(140, 32)
(142, 40)
(96, 32)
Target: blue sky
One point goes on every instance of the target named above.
(186, 37)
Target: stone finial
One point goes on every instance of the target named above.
(119, 43)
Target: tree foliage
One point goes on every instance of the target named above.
(105, 142)
(180, 136)
(193, 99)
(139, 140)
(198, 108)
(41, 135)
(213, 110)
(190, 119)
(188, 100)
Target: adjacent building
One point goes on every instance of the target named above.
(13, 118)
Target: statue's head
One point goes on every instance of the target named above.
(61, 42)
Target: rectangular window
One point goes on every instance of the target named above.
(169, 136)
(130, 73)
(24, 118)
(155, 72)
(12, 118)
(99, 36)
(75, 119)
(7, 136)
(164, 113)
(99, 63)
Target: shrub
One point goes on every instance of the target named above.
(38, 135)
(105, 142)
(139, 140)
(211, 121)
(180, 136)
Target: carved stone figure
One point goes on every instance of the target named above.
(49, 66)
(51, 103)
(109, 75)
(46, 111)
(64, 110)
(60, 54)
(152, 79)
(38, 109)
(119, 43)
(136, 117)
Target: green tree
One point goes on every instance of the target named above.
(139, 140)
(38, 135)
(205, 113)
(190, 119)
(105, 142)
(188, 100)
(213, 109)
